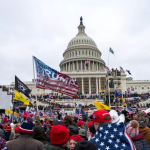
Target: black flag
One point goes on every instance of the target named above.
(21, 87)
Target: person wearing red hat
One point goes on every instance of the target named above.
(101, 117)
(81, 124)
(74, 139)
(7, 132)
(59, 136)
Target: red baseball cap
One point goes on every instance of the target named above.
(99, 115)
(90, 123)
(80, 123)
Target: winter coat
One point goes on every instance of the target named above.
(25, 142)
(2, 134)
(7, 135)
(52, 147)
(37, 121)
(146, 133)
(39, 134)
(73, 130)
(127, 120)
(140, 143)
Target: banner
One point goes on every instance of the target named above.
(101, 106)
(48, 78)
(19, 97)
(21, 87)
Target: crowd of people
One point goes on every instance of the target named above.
(103, 130)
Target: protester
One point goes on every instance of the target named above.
(59, 138)
(143, 129)
(127, 119)
(82, 133)
(81, 124)
(2, 133)
(109, 136)
(134, 115)
(7, 132)
(50, 125)
(85, 145)
(17, 132)
(25, 139)
(3, 144)
(39, 134)
(138, 139)
(73, 141)
(68, 121)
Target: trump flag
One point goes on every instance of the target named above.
(49, 78)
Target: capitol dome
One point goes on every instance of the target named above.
(81, 38)
(79, 49)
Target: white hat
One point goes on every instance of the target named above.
(115, 118)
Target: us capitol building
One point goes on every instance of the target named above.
(91, 77)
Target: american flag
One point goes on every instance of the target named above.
(48, 78)
(140, 108)
(132, 89)
(45, 115)
(130, 110)
(76, 113)
(107, 68)
(118, 108)
(110, 49)
(87, 61)
(111, 137)
(121, 69)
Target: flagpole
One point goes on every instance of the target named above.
(35, 83)
(108, 59)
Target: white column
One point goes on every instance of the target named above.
(89, 85)
(66, 67)
(96, 86)
(77, 65)
(99, 83)
(81, 64)
(89, 65)
(69, 66)
(82, 87)
(97, 66)
(93, 66)
(73, 65)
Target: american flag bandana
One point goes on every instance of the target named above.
(112, 137)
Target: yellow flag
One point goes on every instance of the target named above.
(19, 97)
(123, 101)
(101, 106)
(101, 90)
(8, 111)
(53, 101)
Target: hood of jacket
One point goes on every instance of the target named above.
(72, 130)
(144, 130)
(39, 133)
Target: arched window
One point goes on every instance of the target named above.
(79, 52)
(74, 42)
(76, 53)
(82, 41)
(86, 52)
(82, 52)
(92, 53)
(79, 41)
(70, 54)
(89, 53)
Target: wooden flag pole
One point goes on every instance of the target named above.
(35, 83)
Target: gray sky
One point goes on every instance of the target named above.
(43, 28)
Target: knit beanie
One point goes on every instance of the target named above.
(59, 135)
(60, 123)
(2, 143)
(76, 137)
(125, 113)
(133, 128)
(85, 145)
(8, 128)
(27, 127)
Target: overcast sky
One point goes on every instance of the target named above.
(43, 28)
